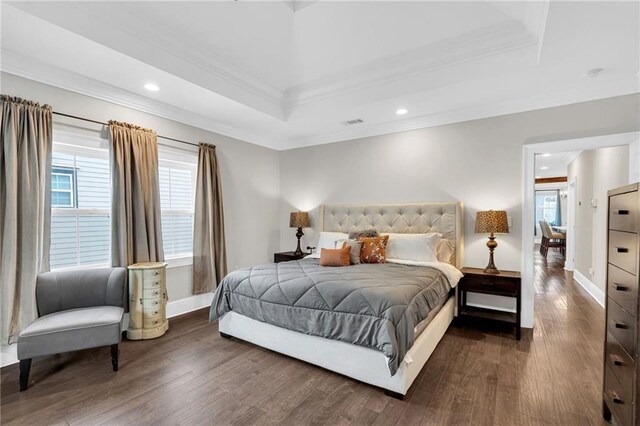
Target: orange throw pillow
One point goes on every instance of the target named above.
(374, 249)
(335, 257)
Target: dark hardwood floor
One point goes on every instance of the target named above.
(478, 375)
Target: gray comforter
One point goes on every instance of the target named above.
(371, 305)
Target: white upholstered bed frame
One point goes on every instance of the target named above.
(364, 364)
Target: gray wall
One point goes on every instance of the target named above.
(478, 162)
(250, 173)
(595, 172)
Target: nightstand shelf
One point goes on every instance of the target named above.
(505, 284)
(492, 314)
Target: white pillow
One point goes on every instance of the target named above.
(416, 247)
(328, 240)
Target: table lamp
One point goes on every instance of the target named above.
(492, 222)
(299, 220)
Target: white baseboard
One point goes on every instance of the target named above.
(189, 304)
(8, 354)
(590, 287)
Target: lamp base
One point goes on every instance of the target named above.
(298, 251)
(491, 267)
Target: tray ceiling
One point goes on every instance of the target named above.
(288, 74)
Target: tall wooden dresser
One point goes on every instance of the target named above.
(147, 300)
(621, 369)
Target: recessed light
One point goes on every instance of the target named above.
(401, 111)
(151, 87)
(544, 168)
(538, 177)
(594, 72)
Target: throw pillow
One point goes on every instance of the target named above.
(335, 257)
(374, 249)
(356, 248)
(366, 233)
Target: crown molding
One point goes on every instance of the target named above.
(569, 157)
(16, 64)
(474, 45)
(267, 98)
(481, 111)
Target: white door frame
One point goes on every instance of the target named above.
(570, 252)
(528, 201)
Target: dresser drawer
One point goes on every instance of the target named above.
(152, 283)
(491, 284)
(623, 251)
(150, 322)
(153, 273)
(622, 326)
(623, 212)
(151, 293)
(619, 402)
(623, 288)
(620, 363)
(151, 303)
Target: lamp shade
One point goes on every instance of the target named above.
(492, 221)
(299, 220)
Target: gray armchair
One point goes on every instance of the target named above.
(78, 309)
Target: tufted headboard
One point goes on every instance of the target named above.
(445, 218)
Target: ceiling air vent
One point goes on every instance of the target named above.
(352, 122)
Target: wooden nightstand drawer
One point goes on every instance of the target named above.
(490, 285)
(623, 288)
(622, 326)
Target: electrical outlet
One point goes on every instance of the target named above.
(591, 272)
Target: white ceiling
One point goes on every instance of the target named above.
(286, 74)
(554, 164)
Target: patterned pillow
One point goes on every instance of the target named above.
(374, 249)
(367, 233)
(335, 257)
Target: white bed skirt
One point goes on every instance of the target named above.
(363, 364)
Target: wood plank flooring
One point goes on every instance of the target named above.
(478, 375)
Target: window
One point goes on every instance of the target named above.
(177, 172)
(547, 207)
(80, 202)
(63, 184)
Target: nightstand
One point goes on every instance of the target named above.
(506, 283)
(286, 256)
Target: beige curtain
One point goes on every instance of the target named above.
(25, 209)
(209, 250)
(136, 230)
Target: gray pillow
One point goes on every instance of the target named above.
(354, 254)
(366, 233)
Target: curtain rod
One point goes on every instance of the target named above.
(106, 124)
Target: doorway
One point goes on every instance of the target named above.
(528, 210)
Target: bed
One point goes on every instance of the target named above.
(378, 324)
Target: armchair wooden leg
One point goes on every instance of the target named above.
(25, 368)
(114, 357)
